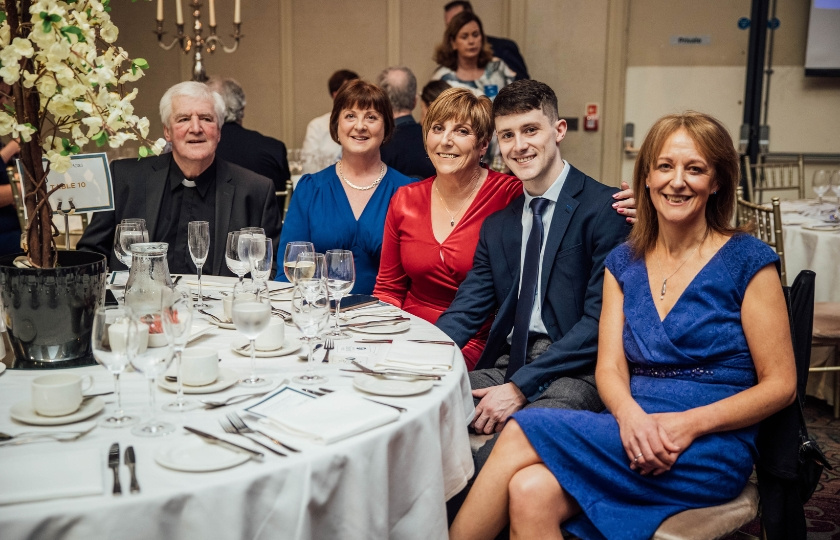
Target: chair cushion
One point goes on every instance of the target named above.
(827, 320)
(712, 522)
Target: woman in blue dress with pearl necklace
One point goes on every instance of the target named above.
(694, 350)
(344, 205)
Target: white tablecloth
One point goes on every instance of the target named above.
(391, 482)
(807, 249)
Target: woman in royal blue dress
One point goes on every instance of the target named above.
(344, 205)
(694, 350)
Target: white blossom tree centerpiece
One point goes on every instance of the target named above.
(68, 84)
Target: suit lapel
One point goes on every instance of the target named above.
(563, 212)
(155, 185)
(224, 203)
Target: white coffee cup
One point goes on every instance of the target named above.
(199, 366)
(118, 337)
(59, 394)
(227, 303)
(273, 337)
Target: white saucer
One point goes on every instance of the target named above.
(225, 325)
(24, 412)
(289, 346)
(384, 329)
(193, 455)
(387, 387)
(227, 378)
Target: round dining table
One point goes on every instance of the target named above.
(391, 481)
(812, 243)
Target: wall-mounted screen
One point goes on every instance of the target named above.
(822, 57)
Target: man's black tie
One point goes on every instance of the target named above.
(528, 290)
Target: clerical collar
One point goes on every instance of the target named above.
(202, 182)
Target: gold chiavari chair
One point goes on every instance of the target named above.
(767, 223)
(773, 176)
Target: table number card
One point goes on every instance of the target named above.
(87, 183)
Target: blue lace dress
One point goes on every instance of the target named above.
(696, 356)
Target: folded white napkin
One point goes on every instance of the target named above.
(422, 357)
(35, 476)
(332, 418)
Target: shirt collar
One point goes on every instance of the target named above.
(553, 192)
(202, 182)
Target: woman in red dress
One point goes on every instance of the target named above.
(432, 226)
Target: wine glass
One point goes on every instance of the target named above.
(295, 162)
(310, 272)
(251, 312)
(310, 314)
(293, 249)
(177, 325)
(151, 362)
(244, 246)
(126, 235)
(108, 340)
(199, 242)
(235, 263)
(835, 188)
(341, 276)
(260, 255)
(820, 184)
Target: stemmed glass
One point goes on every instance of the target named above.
(251, 312)
(295, 162)
(177, 325)
(152, 362)
(235, 262)
(341, 276)
(310, 313)
(199, 242)
(835, 188)
(244, 246)
(310, 272)
(125, 235)
(108, 339)
(293, 249)
(260, 256)
(820, 184)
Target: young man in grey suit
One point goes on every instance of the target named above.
(539, 267)
(188, 184)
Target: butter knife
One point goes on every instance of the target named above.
(114, 464)
(129, 461)
(227, 444)
(383, 322)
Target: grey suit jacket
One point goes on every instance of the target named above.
(584, 229)
(243, 199)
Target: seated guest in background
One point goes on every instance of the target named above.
(539, 266)
(318, 144)
(694, 350)
(344, 205)
(430, 93)
(189, 184)
(432, 226)
(405, 151)
(505, 49)
(465, 60)
(247, 148)
(9, 224)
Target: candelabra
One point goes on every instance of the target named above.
(197, 42)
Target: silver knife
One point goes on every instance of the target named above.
(129, 461)
(383, 322)
(114, 464)
(227, 444)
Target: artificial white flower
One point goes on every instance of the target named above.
(109, 32)
(58, 163)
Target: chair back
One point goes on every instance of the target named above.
(767, 224)
(775, 176)
(287, 197)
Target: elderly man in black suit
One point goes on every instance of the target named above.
(245, 147)
(189, 184)
(506, 49)
(406, 151)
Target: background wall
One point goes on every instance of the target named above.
(613, 52)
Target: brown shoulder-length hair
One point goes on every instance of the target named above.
(715, 144)
(446, 56)
(461, 105)
(364, 95)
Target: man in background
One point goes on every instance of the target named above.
(506, 49)
(247, 148)
(318, 145)
(405, 152)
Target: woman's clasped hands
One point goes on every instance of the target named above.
(653, 442)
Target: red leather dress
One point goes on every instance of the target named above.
(421, 275)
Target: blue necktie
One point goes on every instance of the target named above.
(528, 290)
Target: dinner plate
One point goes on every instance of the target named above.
(388, 387)
(25, 412)
(226, 379)
(825, 228)
(386, 328)
(193, 455)
(289, 346)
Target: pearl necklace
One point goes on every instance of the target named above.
(451, 214)
(665, 281)
(375, 183)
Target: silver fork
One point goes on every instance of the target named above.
(230, 428)
(242, 427)
(218, 320)
(328, 346)
(33, 436)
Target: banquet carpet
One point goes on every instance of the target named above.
(822, 512)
